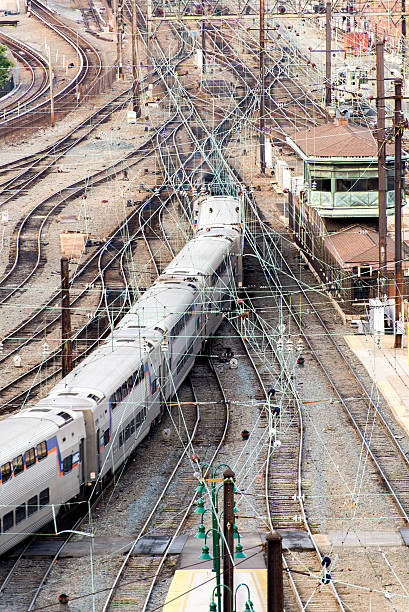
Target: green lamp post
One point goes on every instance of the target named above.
(209, 484)
(248, 606)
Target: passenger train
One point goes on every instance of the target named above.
(77, 436)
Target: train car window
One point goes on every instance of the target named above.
(8, 521)
(44, 497)
(127, 432)
(121, 438)
(138, 419)
(18, 465)
(20, 513)
(106, 437)
(32, 505)
(42, 451)
(30, 457)
(132, 426)
(6, 471)
(93, 397)
(67, 464)
(154, 385)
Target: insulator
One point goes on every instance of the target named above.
(1, 347)
(326, 561)
(46, 348)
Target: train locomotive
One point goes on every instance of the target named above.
(75, 438)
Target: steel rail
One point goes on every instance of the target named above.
(53, 561)
(39, 61)
(50, 20)
(382, 420)
(83, 270)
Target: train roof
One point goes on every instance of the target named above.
(199, 257)
(218, 212)
(29, 427)
(164, 300)
(159, 308)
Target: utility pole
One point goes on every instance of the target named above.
(136, 95)
(403, 26)
(51, 81)
(203, 41)
(149, 43)
(66, 349)
(275, 594)
(397, 120)
(118, 27)
(228, 544)
(262, 86)
(381, 141)
(328, 54)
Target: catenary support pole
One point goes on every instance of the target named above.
(118, 29)
(136, 96)
(228, 544)
(398, 213)
(51, 81)
(275, 594)
(381, 141)
(66, 350)
(403, 26)
(328, 19)
(262, 89)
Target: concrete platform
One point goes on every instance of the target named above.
(192, 590)
(389, 369)
(106, 545)
(358, 539)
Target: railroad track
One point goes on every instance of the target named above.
(375, 433)
(37, 66)
(11, 583)
(88, 79)
(24, 176)
(89, 275)
(283, 484)
(210, 430)
(20, 175)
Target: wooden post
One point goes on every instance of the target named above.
(275, 594)
(51, 81)
(380, 136)
(262, 86)
(136, 99)
(403, 26)
(66, 348)
(118, 28)
(328, 17)
(228, 544)
(397, 120)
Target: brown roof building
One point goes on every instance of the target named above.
(358, 246)
(338, 139)
(341, 170)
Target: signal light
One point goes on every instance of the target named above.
(63, 598)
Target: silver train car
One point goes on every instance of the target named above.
(76, 437)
